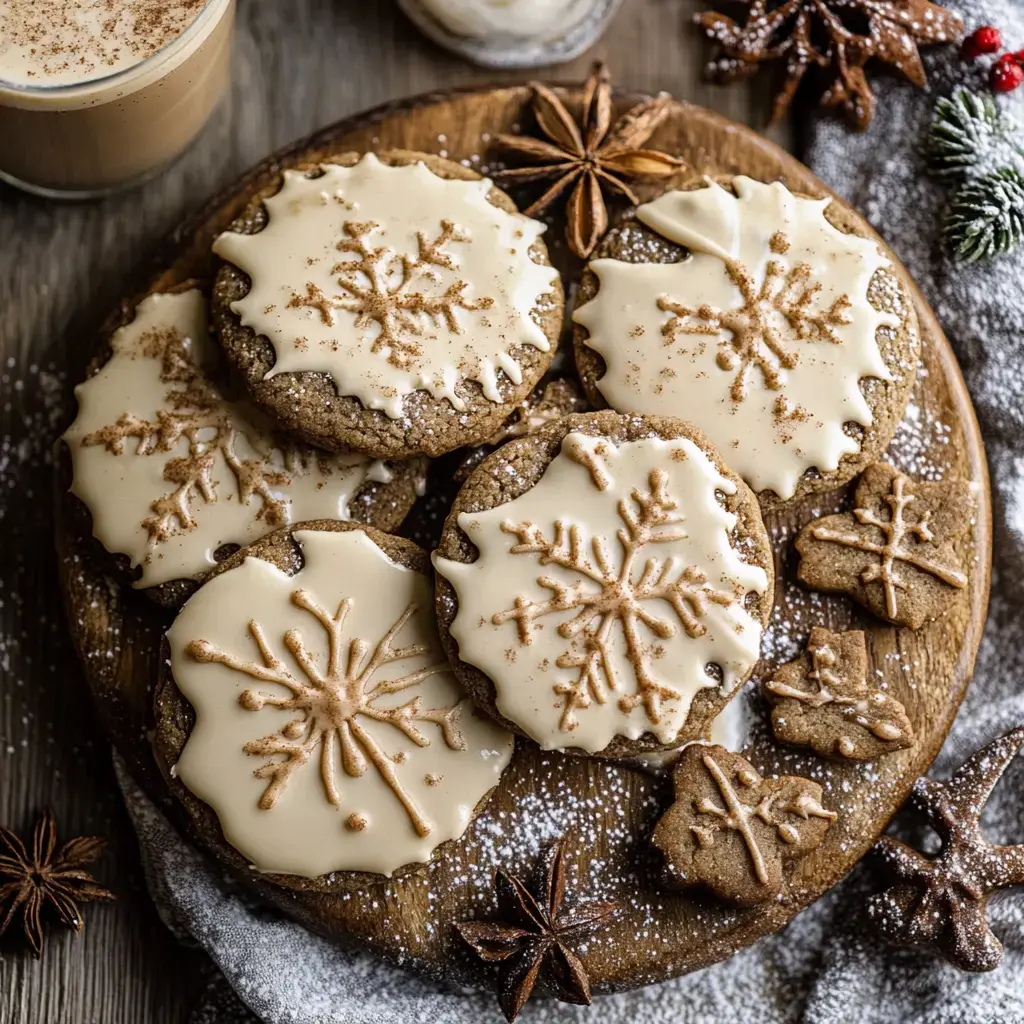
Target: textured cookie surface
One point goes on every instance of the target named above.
(823, 701)
(329, 734)
(898, 552)
(590, 576)
(786, 338)
(733, 831)
(173, 469)
(393, 305)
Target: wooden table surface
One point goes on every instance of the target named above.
(299, 64)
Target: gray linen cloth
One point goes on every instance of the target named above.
(826, 966)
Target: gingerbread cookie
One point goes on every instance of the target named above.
(897, 553)
(329, 734)
(823, 701)
(789, 339)
(549, 402)
(173, 470)
(394, 304)
(733, 831)
(603, 584)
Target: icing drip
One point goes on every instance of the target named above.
(392, 280)
(597, 619)
(330, 733)
(760, 337)
(171, 470)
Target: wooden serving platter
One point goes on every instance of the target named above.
(608, 808)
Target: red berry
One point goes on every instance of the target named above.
(986, 39)
(1006, 74)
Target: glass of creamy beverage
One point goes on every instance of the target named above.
(96, 95)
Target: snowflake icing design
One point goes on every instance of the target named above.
(333, 702)
(784, 304)
(196, 412)
(396, 291)
(603, 594)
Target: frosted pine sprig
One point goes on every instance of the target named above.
(963, 127)
(986, 216)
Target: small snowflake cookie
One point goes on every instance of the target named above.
(175, 472)
(394, 304)
(787, 336)
(603, 584)
(323, 727)
(732, 831)
(899, 552)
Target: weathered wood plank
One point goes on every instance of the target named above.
(298, 65)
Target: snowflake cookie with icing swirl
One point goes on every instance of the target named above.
(394, 305)
(789, 341)
(620, 583)
(172, 468)
(330, 733)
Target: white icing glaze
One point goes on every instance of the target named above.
(555, 703)
(127, 475)
(518, 19)
(423, 269)
(661, 328)
(730, 729)
(401, 785)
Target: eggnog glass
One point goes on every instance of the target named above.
(85, 117)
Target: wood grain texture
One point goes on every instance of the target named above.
(408, 920)
(298, 65)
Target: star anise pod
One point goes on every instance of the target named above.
(31, 882)
(591, 155)
(537, 933)
(838, 37)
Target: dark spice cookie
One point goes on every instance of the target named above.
(174, 473)
(393, 304)
(782, 328)
(308, 714)
(898, 552)
(603, 582)
(733, 831)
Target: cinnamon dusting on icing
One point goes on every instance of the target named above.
(771, 301)
(183, 470)
(754, 342)
(619, 605)
(435, 287)
(387, 298)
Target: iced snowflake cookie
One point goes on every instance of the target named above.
(394, 305)
(175, 473)
(765, 318)
(898, 552)
(603, 584)
(310, 707)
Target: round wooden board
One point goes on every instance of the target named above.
(608, 808)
